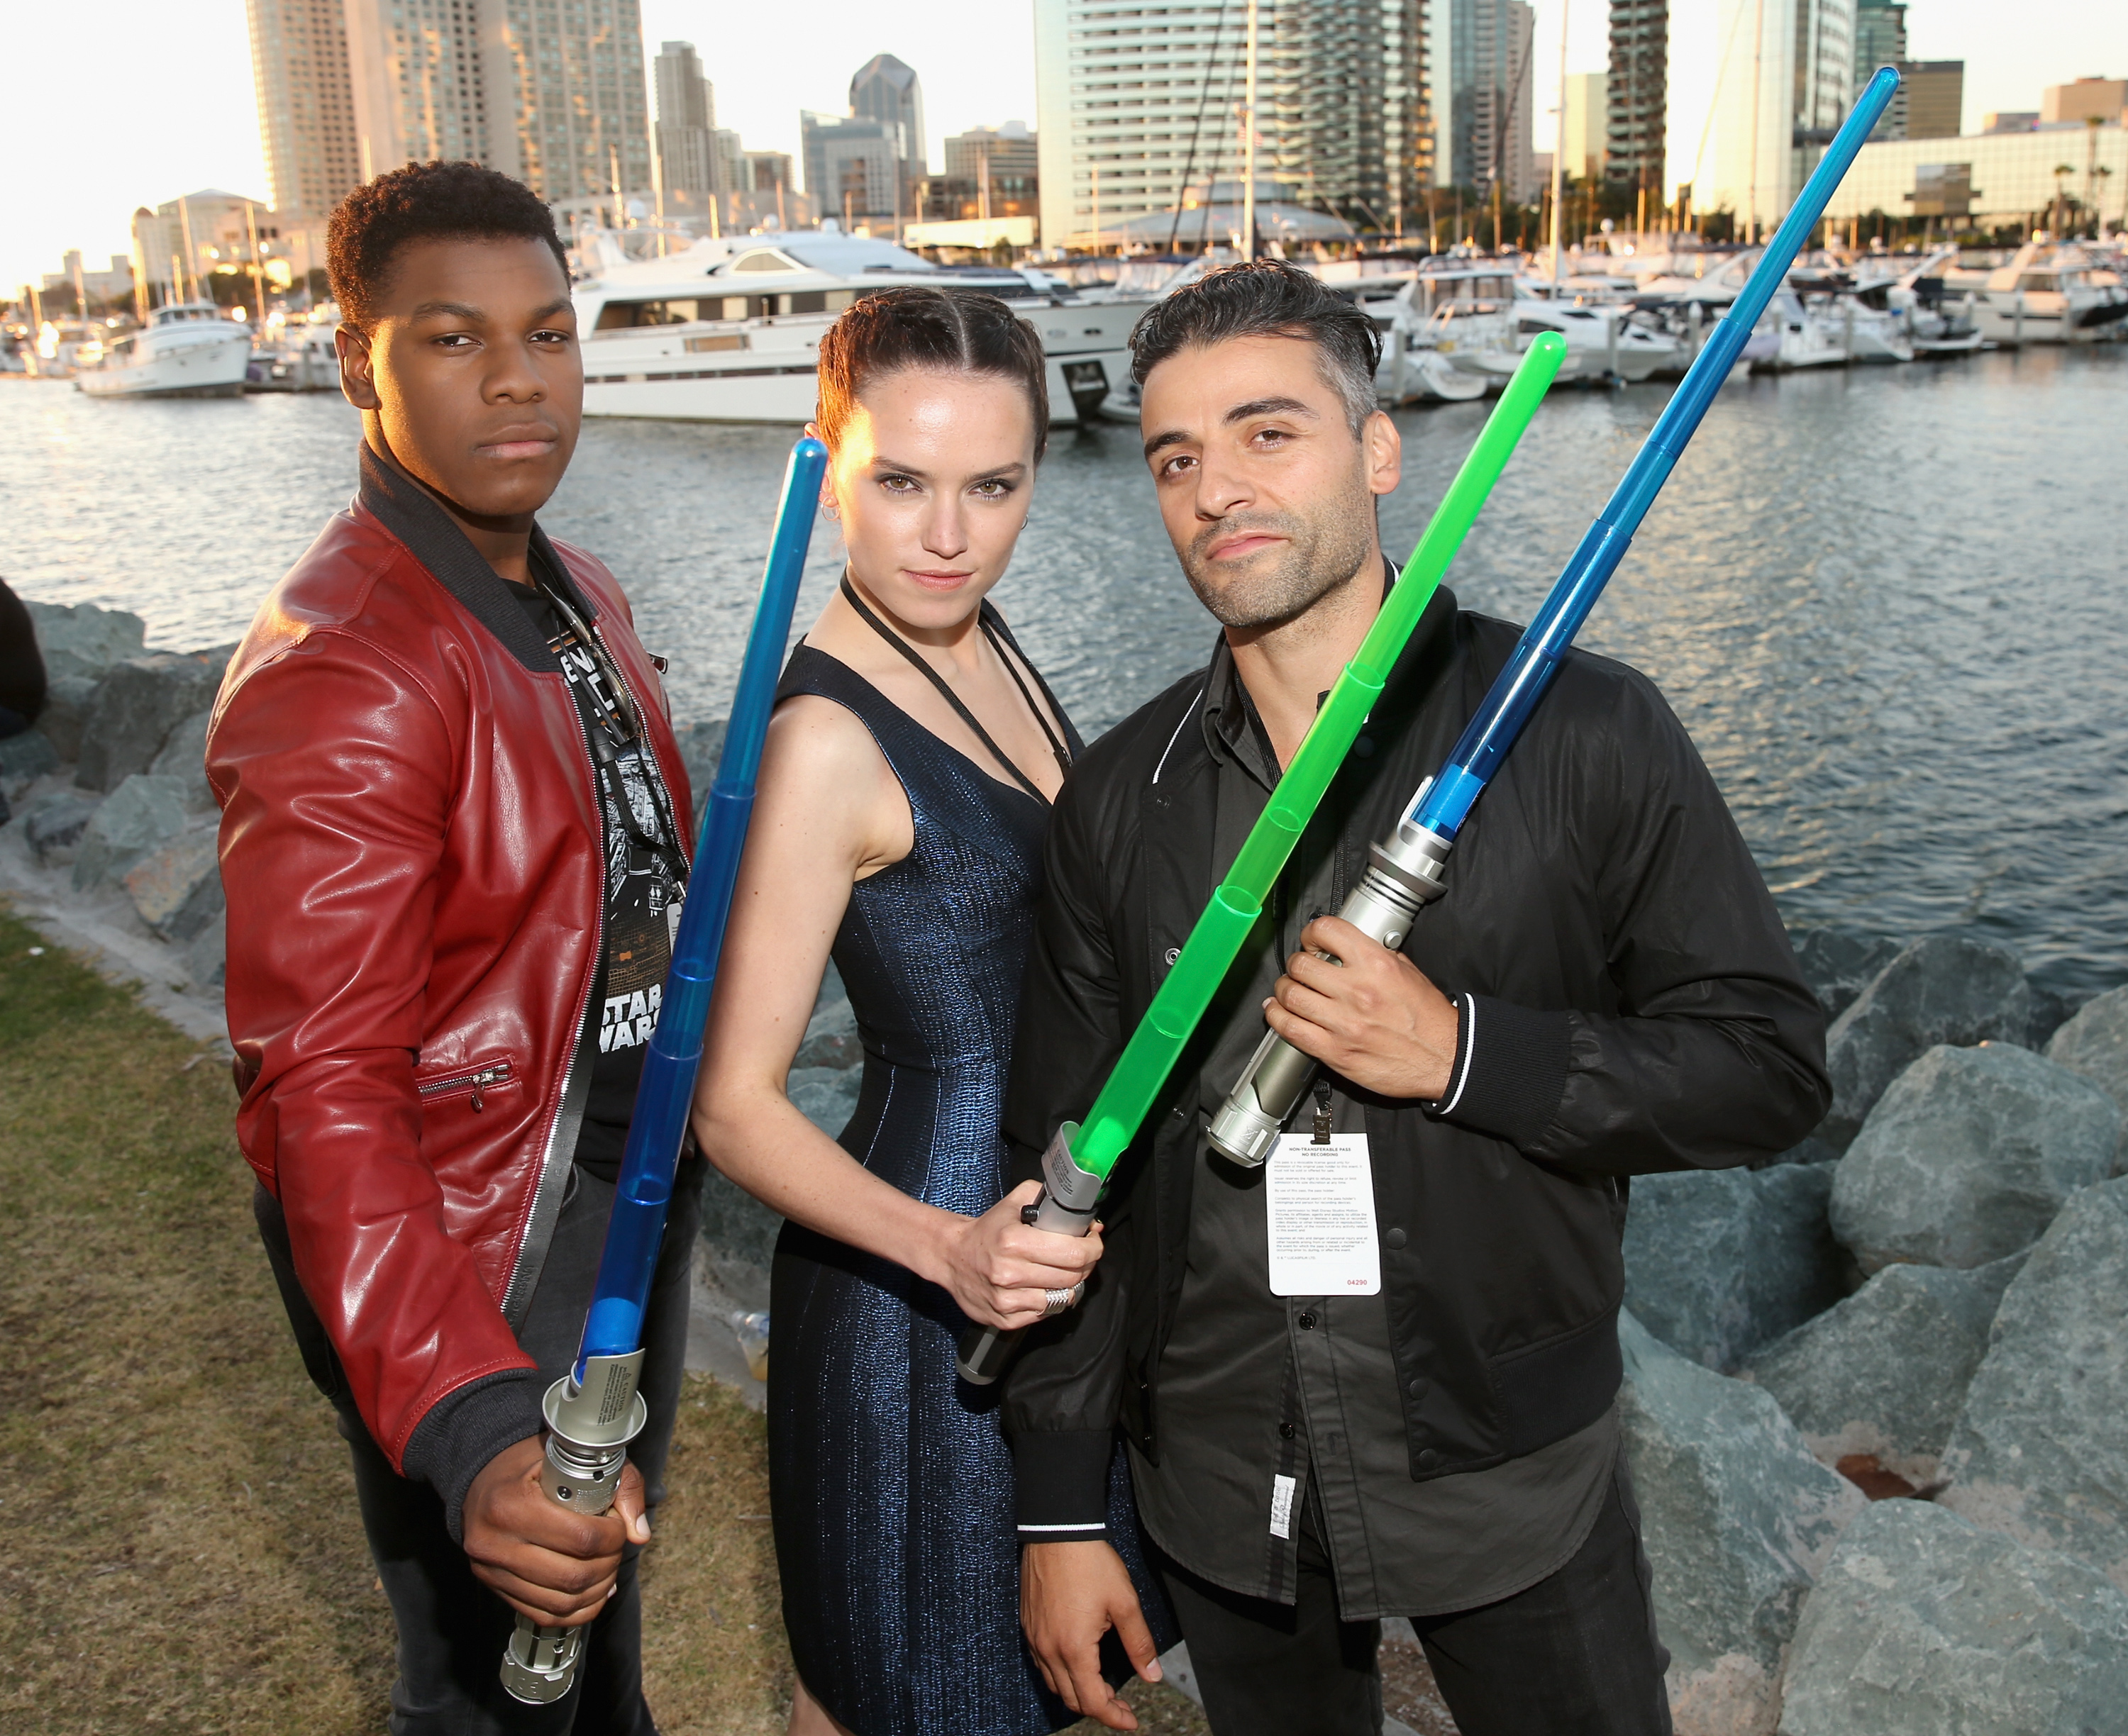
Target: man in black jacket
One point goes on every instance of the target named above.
(1605, 990)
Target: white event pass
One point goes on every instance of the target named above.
(1319, 1203)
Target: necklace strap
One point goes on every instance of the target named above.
(945, 692)
(992, 631)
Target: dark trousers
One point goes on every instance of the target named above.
(451, 1627)
(1574, 1655)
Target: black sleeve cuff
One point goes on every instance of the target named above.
(1510, 1070)
(464, 1428)
(1061, 1481)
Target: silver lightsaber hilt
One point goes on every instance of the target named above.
(1064, 1207)
(588, 1429)
(1405, 875)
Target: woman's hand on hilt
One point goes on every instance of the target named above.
(1003, 1271)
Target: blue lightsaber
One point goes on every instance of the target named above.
(595, 1410)
(1405, 872)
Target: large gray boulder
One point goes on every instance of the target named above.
(138, 704)
(82, 640)
(183, 756)
(1737, 1519)
(1969, 1156)
(1924, 1625)
(140, 815)
(1839, 964)
(2095, 1044)
(1943, 989)
(178, 889)
(24, 758)
(68, 702)
(55, 828)
(2040, 1449)
(1721, 1261)
(1884, 1372)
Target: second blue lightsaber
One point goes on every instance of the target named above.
(595, 1410)
(1405, 872)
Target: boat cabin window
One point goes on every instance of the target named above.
(765, 259)
(619, 316)
(2043, 282)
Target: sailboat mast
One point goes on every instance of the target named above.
(1559, 148)
(1249, 142)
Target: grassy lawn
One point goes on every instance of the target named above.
(182, 1552)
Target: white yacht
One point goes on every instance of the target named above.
(186, 351)
(304, 357)
(1602, 337)
(2051, 295)
(729, 330)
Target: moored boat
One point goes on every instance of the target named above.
(729, 330)
(186, 351)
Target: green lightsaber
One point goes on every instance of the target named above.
(1077, 1165)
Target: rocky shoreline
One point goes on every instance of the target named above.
(1873, 1389)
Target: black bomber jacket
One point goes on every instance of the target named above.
(1630, 1003)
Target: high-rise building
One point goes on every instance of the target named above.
(555, 96)
(854, 169)
(1638, 91)
(1138, 103)
(306, 102)
(1936, 98)
(1485, 88)
(885, 90)
(1583, 124)
(1880, 39)
(1757, 92)
(687, 123)
(996, 170)
(2085, 99)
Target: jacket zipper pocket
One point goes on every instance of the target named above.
(496, 1072)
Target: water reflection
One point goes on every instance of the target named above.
(1886, 602)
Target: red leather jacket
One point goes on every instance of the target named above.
(411, 847)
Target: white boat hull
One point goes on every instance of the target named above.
(765, 370)
(2014, 316)
(207, 365)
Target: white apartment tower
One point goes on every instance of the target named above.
(1758, 87)
(305, 103)
(551, 94)
(1138, 102)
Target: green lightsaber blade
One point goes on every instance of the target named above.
(1091, 1147)
(1143, 1066)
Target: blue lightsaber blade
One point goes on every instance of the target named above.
(660, 1122)
(1405, 871)
(1477, 755)
(595, 1410)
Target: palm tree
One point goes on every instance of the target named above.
(2063, 171)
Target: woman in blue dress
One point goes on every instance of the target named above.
(903, 795)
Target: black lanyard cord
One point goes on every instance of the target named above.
(946, 692)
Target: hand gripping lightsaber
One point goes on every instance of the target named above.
(1404, 871)
(594, 1411)
(1075, 1167)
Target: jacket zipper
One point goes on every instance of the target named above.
(495, 1074)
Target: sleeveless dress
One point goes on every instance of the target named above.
(890, 1479)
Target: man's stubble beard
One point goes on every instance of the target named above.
(1320, 555)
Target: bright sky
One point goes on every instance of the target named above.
(170, 110)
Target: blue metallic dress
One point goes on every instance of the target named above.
(890, 1479)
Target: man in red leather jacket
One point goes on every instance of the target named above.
(454, 841)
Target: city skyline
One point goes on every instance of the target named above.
(191, 116)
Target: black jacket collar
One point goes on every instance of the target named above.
(412, 514)
(1231, 730)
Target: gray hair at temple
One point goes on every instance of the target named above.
(1266, 298)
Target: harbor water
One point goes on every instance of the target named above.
(1887, 603)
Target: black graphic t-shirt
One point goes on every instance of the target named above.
(646, 878)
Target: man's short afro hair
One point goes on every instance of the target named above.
(423, 202)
